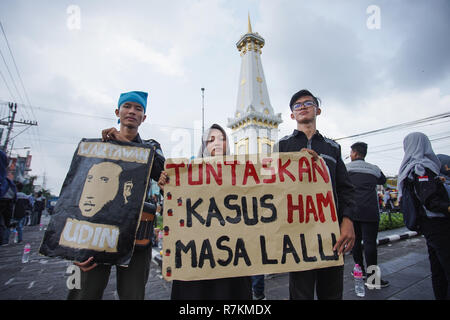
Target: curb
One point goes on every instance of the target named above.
(156, 257)
(396, 237)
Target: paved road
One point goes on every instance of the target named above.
(404, 263)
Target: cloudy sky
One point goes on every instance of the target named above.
(372, 67)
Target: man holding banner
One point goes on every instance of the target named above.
(131, 280)
(328, 281)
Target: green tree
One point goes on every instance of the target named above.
(29, 187)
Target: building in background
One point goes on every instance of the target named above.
(19, 168)
(254, 124)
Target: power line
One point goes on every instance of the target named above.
(397, 148)
(23, 88)
(11, 76)
(79, 114)
(7, 86)
(17, 69)
(398, 126)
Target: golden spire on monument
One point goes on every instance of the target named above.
(250, 41)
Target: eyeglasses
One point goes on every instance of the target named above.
(306, 104)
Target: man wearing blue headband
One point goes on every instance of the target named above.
(131, 280)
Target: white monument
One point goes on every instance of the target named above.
(254, 125)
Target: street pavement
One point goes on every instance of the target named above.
(404, 263)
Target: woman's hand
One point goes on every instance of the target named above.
(86, 265)
(162, 180)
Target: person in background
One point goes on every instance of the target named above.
(420, 168)
(23, 205)
(30, 211)
(39, 206)
(445, 170)
(214, 143)
(8, 197)
(365, 177)
(387, 200)
(380, 201)
(445, 165)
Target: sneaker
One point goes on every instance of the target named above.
(259, 297)
(383, 284)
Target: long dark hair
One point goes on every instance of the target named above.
(203, 151)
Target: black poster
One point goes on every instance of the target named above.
(100, 203)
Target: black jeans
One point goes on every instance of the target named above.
(131, 280)
(367, 232)
(258, 285)
(329, 283)
(437, 233)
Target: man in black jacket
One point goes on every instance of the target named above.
(328, 281)
(365, 177)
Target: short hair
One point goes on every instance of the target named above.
(303, 93)
(360, 148)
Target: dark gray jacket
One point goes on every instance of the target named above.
(365, 177)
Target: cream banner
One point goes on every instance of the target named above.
(246, 215)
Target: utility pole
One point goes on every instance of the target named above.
(13, 109)
(44, 181)
(203, 112)
(10, 124)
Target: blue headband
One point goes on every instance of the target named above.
(134, 96)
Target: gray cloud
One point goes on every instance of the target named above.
(327, 47)
(423, 59)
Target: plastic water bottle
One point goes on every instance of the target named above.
(160, 242)
(359, 281)
(16, 236)
(26, 253)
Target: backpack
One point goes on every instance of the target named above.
(410, 207)
(21, 208)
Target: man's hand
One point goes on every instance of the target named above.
(162, 180)
(311, 152)
(347, 238)
(86, 265)
(113, 134)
